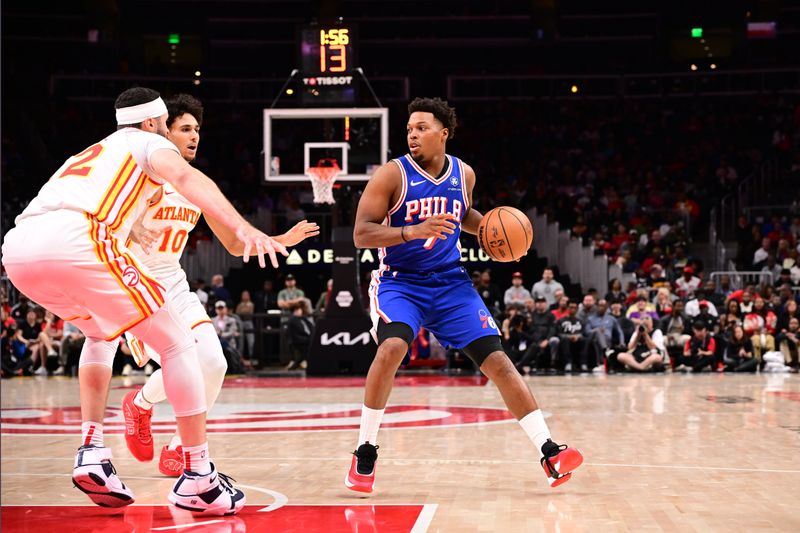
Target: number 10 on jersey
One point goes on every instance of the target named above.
(177, 243)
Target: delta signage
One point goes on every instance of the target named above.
(326, 256)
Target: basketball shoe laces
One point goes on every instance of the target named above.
(145, 434)
(226, 482)
(366, 454)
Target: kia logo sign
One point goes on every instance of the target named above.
(343, 339)
(344, 298)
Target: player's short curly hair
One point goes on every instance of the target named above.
(441, 112)
(184, 103)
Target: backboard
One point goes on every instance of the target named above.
(294, 139)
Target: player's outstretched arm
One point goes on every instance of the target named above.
(204, 193)
(381, 190)
(473, 218)
(299, 232)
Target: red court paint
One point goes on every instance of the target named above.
(340, 382)
(254, 418)
(789, 395)
(147, 518)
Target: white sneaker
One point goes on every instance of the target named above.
(95, 475)
(126, 370)
(41, 371)
(303, 364)
(210, 494)
(58, 371)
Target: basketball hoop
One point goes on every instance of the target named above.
(322, 180)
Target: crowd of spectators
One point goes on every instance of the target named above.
(635, 179)
(679, 322)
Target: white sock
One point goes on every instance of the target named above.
(139, 401)
(535, 427)
(92, 433)
(370, 422)
(174, 442)
(196, 459)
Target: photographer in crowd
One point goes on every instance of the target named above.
(645, 348)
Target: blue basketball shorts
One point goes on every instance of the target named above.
(445, 303)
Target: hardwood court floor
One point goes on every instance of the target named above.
(663, 453)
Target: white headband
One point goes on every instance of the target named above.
(138, 113)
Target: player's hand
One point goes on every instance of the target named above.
(437, 226)
(144, 237)
(301, 231)
(260, 243)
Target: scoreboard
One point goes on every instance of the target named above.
(328, 60)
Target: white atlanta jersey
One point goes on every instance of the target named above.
(108, 181)
(175, 216)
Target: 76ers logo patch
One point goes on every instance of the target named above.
(488, 321)
(256, 418)
(130, 276)
(454, 181)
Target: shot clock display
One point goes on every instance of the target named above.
(327, 63)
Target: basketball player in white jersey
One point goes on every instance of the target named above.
(160, 236)
(84, 273)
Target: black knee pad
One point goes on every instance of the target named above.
(401, 330)
(481, 348)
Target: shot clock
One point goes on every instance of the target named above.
(327, 63)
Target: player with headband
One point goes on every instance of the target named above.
(85, 274)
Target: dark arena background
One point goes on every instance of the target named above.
(654, 147)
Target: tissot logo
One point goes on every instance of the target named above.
(343, 339)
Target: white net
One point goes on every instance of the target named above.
(322, 180)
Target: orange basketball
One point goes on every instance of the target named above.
(505, 233)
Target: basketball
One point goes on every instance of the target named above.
(505, 233)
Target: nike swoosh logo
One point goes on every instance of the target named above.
(415, 183)
(170, 192)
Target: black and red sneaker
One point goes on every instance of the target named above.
(361, 476)
(559, 462)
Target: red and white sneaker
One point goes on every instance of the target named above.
(361, 476)
(170, 463)
(559, 462)
(138, 436)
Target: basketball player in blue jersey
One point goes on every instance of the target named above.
(413, 210)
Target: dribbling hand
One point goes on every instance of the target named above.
(261, 243)
(437, 226)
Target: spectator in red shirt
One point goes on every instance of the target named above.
(760, 319)
(698, 352)
(686, 285)
(562, 310)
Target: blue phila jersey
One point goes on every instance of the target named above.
(423, 196)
